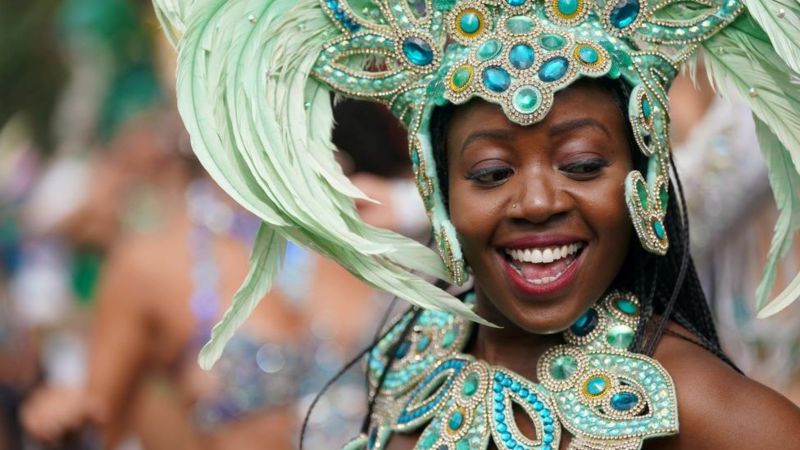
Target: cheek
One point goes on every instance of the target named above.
(474, 214)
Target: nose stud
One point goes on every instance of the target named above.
(514, 205)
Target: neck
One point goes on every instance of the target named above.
(509, 346)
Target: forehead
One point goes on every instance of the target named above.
(585, 99)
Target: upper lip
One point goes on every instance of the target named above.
(541, 240)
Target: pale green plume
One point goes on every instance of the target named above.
(741, 61)
(261, 127)
(780, 19)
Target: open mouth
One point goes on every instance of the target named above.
(541, 270)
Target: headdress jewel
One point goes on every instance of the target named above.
(255, 76)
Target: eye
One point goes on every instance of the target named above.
(490, 176)
(585, 168)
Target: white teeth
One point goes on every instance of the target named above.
(545, 255)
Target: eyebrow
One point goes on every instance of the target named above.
(571, 125)
(496, 134)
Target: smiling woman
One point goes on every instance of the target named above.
(538, 134)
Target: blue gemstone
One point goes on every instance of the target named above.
(553, 69)
(624, 401)
(423, 343)
(568, 7)
(646, 109)
(658, 228)
(418, 51)
(373, 437)
(585, 323)
(521, 56)
(456, 420)
(596, 386)
(402, 349)
(624, 13)
(496, 79)
(470, 23)
(588, 55)
(515, 2)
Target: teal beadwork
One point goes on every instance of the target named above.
(519, 25)
(526, 99)
(470, 23)
(563, 367)
(588, 55)
(625, 305)
(596, 386)
(624, 401)
(521, 56)
(586, 323)
(456, 420)
(489, 49)
(496, 79)
(624, 13)
(418, 51)
(552, 42)
(658, 229)
(568, 7)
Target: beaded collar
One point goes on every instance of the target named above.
(604, 395)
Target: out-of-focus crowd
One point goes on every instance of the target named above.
(118, 253)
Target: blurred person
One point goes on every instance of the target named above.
(732, 215)
(162, 290)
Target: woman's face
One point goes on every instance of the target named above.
(540, 210)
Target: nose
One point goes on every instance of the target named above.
(539, 198)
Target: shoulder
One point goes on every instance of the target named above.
(718, 407)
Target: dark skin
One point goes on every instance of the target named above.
(565, 176)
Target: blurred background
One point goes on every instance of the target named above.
(117, 253)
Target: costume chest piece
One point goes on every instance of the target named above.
(592, 387)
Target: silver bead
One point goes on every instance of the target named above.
(753, 92)
(781, 13)
(251, 18)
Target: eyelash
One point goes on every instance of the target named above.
(497, 174)
(586, 167)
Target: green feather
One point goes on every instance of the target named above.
(780, 19)
(741, 62)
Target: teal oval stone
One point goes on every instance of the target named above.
(489, 49)
(658, 229)
(521, 56)
(563, 367)
(588, 55)
(568, 7)
(456, 420)
(423, 343)
(496, 79)
(553, 69)
(470, 23)
(515, 2)
(646, 108)
(624, 401)
(418, 51)
(641, 189)
(402, 349)
(624, 13)
(596, 386)
(470, 385)
(519, 25)
(552, 42)
(585, 323)
(628, 307)
(526, 100)
(620, 336)
(461, 77)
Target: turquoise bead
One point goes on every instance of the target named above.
(646, 108)
(585, 323)
(519, 24)
(456, 420)
(402, 349)
(552, 42)
(423, 343)
(450, 337)
(418, 51)
(658, 228)
(521, 56)
(624, 13)
(588, 55)
(428, 441)
(628, 307)
(624, 401)
(515, 2)
(496, 79)
(596, 386)
(526, 100)
(489, 49)
(470, 23)
(568, 7)
(553, 69)
(470, 385)
(563, 367)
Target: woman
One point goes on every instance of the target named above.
(538, 133)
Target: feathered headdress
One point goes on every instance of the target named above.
(255, 77)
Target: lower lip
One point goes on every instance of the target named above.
(539, 290)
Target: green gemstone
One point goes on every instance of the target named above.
(658, 229)
(470, 385)
(646, 109)
(456, 420)
(519, 24)
(641, 189)
(461, 77)
(663, 196)
(563, 367)
(552, 42)
(489, 49)
(450, 337)
(628, 307)
(620, 336)
(429, 439)
(526, 100)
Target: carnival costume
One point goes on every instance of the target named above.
(254, 85)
